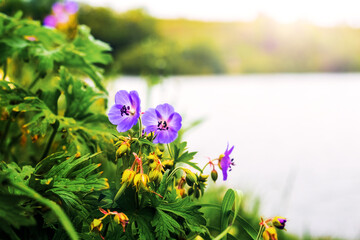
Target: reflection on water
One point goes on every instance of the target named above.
(296, 138)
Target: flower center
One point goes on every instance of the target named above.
(126, 110)
(162, 125)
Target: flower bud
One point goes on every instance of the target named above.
(121, 218)
(197, 192)
(96, 225)
(123, 149)
(203, 177)
(180, 192)
(140, 181)
(128, 176)
(190, 191)
(279, 222)
(158, 152)
(190, 177)
(214, 175)
(168, 164)
(155, 176)
(270, 234)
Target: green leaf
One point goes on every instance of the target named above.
(164, 225)
(182, 156)
(12, 211)
(64, 220)
(144, 228)
(79, 96)
(187, 211)
(226, 207)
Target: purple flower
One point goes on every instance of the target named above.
(163, 121)
(50, 21)
(126, 110)
(226, 162)
(71, 7)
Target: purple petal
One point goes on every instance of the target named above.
(166, 136)
(114, 114)
(149, 118)
(58, 8)
(135, 100)
(122, 98)
(174, 121)
(127, 123)
(151, 128)
(165, 110)
(228, 152)
(62, 17)
(50, 21)
(71, 7)
(225, 163)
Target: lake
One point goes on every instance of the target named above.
(296, 137)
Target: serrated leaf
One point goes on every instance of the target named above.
(188, 211)
(144, 228)
(164, 225)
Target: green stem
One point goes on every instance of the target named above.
(55, 127)
(140, 128)
(172, 173)
(4, 70)
(63, 218)
(260, 232)
(169, 149)
(32, 84)
(120, 192)
(202, 170)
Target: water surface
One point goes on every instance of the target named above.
(296, 137)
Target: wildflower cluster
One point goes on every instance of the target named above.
(119, 218)
(63, 16)
(150, 154)
(269, 225)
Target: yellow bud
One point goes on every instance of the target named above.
(190, 177)
(168, 163)
(96, 225)
(128, 176)
(140, 181)
(203, 177)
(123, 149)
(155, 176)
(270, 234)
(158, 152)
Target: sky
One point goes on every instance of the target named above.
(319, 12)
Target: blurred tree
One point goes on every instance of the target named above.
(119, 30)
(36, 9)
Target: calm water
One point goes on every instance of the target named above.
(296, 137)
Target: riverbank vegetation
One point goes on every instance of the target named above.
(144, 45)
